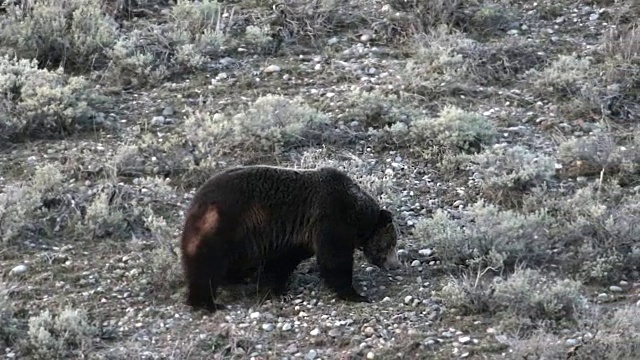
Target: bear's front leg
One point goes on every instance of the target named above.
(334, 254)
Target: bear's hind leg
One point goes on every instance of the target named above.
(334, 255)
(282, 266)
(206, 272)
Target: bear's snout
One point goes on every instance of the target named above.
(391, 261)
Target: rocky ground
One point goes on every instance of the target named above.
(503, 135)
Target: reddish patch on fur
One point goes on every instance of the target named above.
(200, 220)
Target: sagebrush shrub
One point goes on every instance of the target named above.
(600, 227)
(437, 67)
(21, 204)
(453, 131)
(36, 102)
(8, 323)
(527, 295)
(59, 32)
(486, 234)
(60, 335)
(504, 173)
(197, 31)
(598, 153)
(374, 109)
(272, 124)
(565, 77)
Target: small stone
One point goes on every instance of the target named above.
(458, 203)
(425, 252)
(614, 288)
(415, 263)
(407, 299)
(371, 355)
(157, 120)
(272, 69)
(603, 296)
(254, 315)
(571, 342)
(17, 270)
(334, 332)
(287, 327)
(268, 327)
(311, 355)
(168, 111)
(315, 332)
(365, 37)
(464, 339)
(369, 331)
(291, 349)
(623, 283)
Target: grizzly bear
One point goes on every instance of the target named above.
(273, 218)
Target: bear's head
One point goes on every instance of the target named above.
(380, 248)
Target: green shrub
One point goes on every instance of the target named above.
(36, 102)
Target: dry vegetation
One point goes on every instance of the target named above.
(504, 134)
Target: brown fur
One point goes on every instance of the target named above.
(200, 220)
(270, 217)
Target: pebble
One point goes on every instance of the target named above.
(369, 331)
(20, 269)
(334, 332)
(464, 339)
(287, 327)
(614, 288)
(371, 355)
(315, 332)
(272, 69)
(157, 120)
(268, 327)
(407, 299)
(571, 342)
(415, 263)
(425, 252)
(311, 355)
(254, 315)
(168, 111)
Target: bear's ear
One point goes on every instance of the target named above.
(384, 217)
